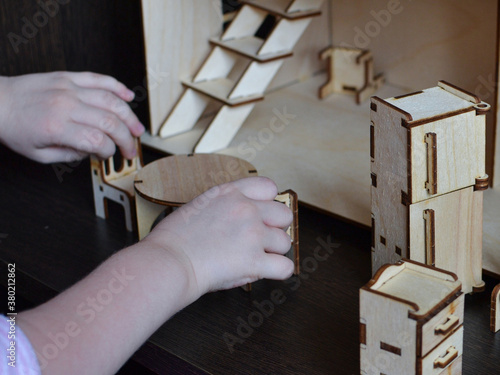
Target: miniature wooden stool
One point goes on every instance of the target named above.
(411, 321)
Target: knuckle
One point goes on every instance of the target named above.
(109, 123)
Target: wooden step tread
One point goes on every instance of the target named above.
(249, 47)
(219, 89)
(279, 8)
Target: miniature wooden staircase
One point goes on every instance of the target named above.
(262, 58)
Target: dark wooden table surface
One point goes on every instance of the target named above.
(48, 228)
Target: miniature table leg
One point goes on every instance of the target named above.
(147, 212)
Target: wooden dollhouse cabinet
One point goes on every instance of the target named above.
(411, 318)
(427, 153)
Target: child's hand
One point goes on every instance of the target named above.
(230, 235)
(62, 116)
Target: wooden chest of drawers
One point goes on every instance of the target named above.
(428, 173)
(411, 318)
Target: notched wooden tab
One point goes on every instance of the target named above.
(362, 333)
(290, 199)
(430, 237)
(431, 142)
(482, 108)
(482, 183)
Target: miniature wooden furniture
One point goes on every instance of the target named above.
(116, 184)
(411, 318)
(495, 309)
(350, 71)
(428, 176)
(175, 180)
(239, 69)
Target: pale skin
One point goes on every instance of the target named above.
(237, 238)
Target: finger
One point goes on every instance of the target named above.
(275, 214)
(104, 82)
(57, 155)
(108, 123)
(85, 140)
(276, 267)
(258, 188)
(106, 100)
(277, 241)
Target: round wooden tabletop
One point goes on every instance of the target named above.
(176, 180)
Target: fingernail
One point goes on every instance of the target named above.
(139, 128)
(130, 95)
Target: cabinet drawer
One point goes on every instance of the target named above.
(441, 326)
(444, 356)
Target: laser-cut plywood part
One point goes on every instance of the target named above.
(238, 70)
(428, 176)
(411, 321)
(350, 71)
(116, 184)
(495, 310)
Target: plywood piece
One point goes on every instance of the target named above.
(284, 36)
(457, 235)
(217, 65)
(255, 80)
(223, 128)
(280, 8)
(164, 23)
(460, 154)
(249, 47)
(301, 5)
(495, 309)
(185, 113)
(222, 90)
(245, 24)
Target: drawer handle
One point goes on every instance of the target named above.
(430, 237)
(444, 328)
(451, 354)
(431, 184)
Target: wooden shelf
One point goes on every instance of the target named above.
(278, 8)
(219, 89)
(249, 47)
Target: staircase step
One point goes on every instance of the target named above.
(219, 89)
(249, 47)
(279, 8)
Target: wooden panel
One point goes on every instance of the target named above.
(448, 319)
(386, 321)
(456, 235)
(460, 149)
(389, 164)
(246, 23)
(176, 34)
(428, 365)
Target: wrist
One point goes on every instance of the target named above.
(4, 105)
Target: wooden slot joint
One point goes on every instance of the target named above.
(372, 141)
(390, 348)
(362, 333)
(442, 362)
(448, 326)
(290, 199)
(482, 183)
(374, 179)
(431, 142)
(430, 237)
